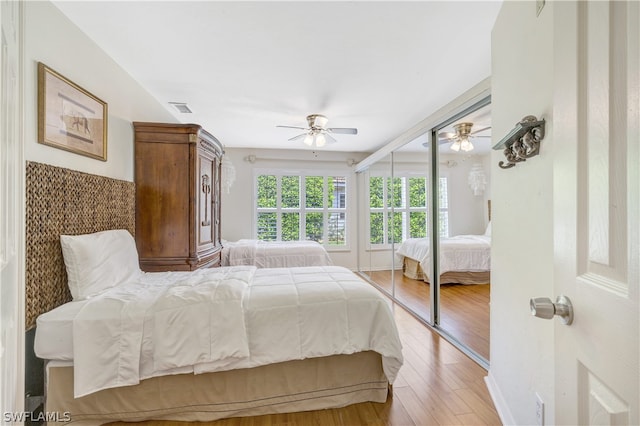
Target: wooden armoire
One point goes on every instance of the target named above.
(177, 176)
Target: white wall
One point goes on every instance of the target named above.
(522, 350)
(238, 208)
(52, 39)
(467, 212)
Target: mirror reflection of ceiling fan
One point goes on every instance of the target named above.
(318, 134)
(461, 136)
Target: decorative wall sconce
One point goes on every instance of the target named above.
(477, 179)
(228, 174)
(522, 142)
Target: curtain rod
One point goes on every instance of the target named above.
(252, 159)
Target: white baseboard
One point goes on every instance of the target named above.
(499, 401)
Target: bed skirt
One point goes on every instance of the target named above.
(411, 269)
(310, 384)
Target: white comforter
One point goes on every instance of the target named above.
(274, 254)
(247, 317)
(459, 253)
(160, 322)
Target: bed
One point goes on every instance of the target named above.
(234, 317)
(274, 254)
(241, 375)
(464, 259)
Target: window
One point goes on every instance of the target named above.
(398, 208)
(302, 207)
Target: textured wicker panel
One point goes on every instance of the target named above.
(66, 202)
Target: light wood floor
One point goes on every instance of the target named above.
(437, 385)
(464, 308)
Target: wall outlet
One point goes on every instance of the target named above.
(539, 410)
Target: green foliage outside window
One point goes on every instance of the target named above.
(376, 193)
(417, 224)
(290, 226)
(377, 228)
(290, 188)
(314, 191)
(267, 230)
(395, 230)
(395, 192)
(314, 231)
(267, 191)
(417, 192)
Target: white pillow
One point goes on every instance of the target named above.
(96, 262)
(487, 232)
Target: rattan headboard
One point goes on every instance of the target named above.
(62, 201)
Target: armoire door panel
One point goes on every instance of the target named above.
(206, 195)
(163, 200)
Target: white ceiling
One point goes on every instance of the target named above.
(245, 67)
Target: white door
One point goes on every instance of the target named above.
(11, 211)
(596, 132)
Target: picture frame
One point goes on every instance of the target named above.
(69, 117)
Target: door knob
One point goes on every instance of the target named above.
(543, 307)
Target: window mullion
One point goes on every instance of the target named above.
(303, 207)
(278, 207)
(325, 214)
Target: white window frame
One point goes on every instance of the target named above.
(302, 209)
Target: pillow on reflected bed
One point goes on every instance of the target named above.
(99, 261)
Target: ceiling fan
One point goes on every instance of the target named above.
(317, 133)
(460, 137)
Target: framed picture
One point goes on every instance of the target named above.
(69, 117)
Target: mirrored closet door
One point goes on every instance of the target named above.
(425, 241)
(464, 246)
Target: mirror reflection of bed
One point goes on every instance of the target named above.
(464, 291)
(465, 284)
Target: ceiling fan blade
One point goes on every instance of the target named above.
(293, 127)
(480, 130)
(297, 138)
(343, 130)
(329, 138)
(446, 135)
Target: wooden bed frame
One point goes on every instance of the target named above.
(62, 201)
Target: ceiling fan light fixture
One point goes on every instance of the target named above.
(455, 146)
(465, 144)
(308, 140)
(317, 134)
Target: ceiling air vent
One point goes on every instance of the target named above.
(182, 107)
